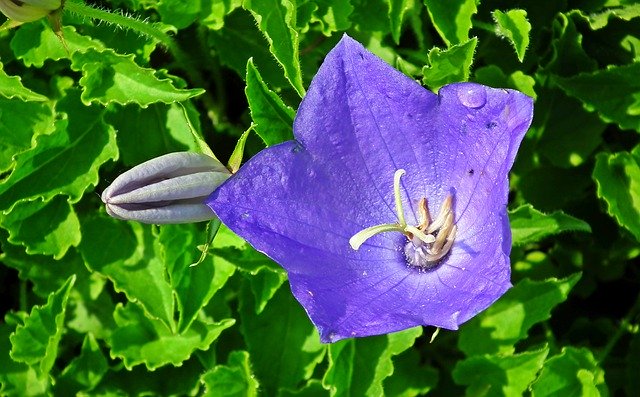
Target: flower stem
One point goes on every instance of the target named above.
(626, 325)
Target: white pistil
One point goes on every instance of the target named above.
(428, 242)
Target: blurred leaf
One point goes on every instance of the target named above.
(34, 43)
(452, 19)
(514, 26)
(108, 77)
(276, 20)
(128, 255)
(63, 162)
(141, 340)
(85, 371)
(331, 15)
(548, 188)
(498, 375)
(151, 132)
(20, 123)
(368, 21)
(568, 57)
(11, 87)
(618, 179)
(280, 365)
(232, 380)
(496, 330)
(36, 341)
(614, 93)
(529, 225)
(214, 18)
(49, 228)
(273, 119)
(397, 10)
(179, 13)
(193, 285)
(625, 12)
(410, 377)
(493, 76)
(573, 372)
(313, 388)
(358, 367)
(17, 379)
(449, 66)
(632, 365)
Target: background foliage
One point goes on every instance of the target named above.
(94, 306)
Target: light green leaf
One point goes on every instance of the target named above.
(331, 15)
(11, 87)
(614, 93)
(529, 225)
(145, 133)
(141, 340)
(496, 330)
(617, 176)
(626, 12)
(397, 10)
(17, 379)
(65, 161)
(235, 160)
(108, 77)
(34, 43)
(277, 19)
(273, 119)
(85, 371)
(48, 228)
(193, 285)
(20, 123)
(449, 66)
(410, 378)
(514, 26)
(498, 375)
(358, 367)
(36, 341)
(180, 13)
(573, 372)
(452, 19)
(128, 255)
(493, 76)
(280, 365)
(232, 380)
(214, 18)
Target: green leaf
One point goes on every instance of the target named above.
(17, 379)
(141, 340)
(214, 18)
(449, 66)
(48, 228)
(617, 176)
(509, 319)
(81, 143)
(514, 26)
(574, 372)
(128, 255)
(452, 19)
(280, 365)
(273, 119)
(276, 20)
(397, 10)
(34, 43)
(11, 87)
(498, 375)
(529, 225)
(331, 15)
(85, 371)
(367, 21)
(193, 285)
(568, 57)
(626, 12)
(613, 92)
(410, 378)
(151, 132)
(36, 341)
(179, 13)
(20, 123)
(108, 77)
(493, 76)
(358, 367)
(232, 380)
(235, 160)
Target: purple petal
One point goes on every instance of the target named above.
(361, 120)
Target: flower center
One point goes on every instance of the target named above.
(428, 242)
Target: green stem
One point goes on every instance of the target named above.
(148, 30)
(484, 26)
(626, 325)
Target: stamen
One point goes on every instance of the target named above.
(425, 218)
(445, 208)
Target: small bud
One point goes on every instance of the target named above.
(28, 10)
(167, 189)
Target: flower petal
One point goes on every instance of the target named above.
(361, 120)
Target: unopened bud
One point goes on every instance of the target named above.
(28, 10)
(167, 189)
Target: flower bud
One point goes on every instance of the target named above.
(167, 189)
(28, 10)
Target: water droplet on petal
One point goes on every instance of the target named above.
(472, 96)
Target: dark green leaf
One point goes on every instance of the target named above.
(11, 87)
(625, 12)
(574, 372)
(514, 26)
(529, 225)
(273, 119)
(507, 321)
(410, 378)
(85, 371)
(232, 380)
(449, 66)
(568, 56)
(18, 379)
(397, 10)
(618, 179)
(452, 19)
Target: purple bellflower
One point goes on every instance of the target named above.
(389, 209)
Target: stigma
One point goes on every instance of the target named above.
(429, 242)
